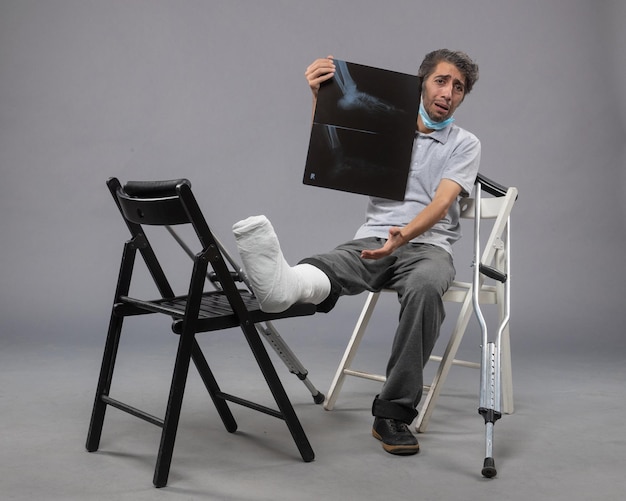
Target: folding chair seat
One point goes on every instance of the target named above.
(497, 210)
(166, 204)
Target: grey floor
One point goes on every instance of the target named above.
(566, 439)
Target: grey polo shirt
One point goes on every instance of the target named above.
(451, 153)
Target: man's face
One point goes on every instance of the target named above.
(443, 91)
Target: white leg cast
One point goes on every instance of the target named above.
(314, 284)
(276, 285)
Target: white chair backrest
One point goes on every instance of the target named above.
(498, 208)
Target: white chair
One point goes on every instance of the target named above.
(495, 255)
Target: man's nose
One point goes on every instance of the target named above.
(446, 91)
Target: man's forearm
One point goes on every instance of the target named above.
(435, 211)
(424, 221)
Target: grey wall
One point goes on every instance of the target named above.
(214, 91)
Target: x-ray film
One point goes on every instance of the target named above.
(363, 131)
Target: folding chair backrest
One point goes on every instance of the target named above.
(167, 203)
(153, 203)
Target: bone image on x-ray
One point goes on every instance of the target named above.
(353, 98)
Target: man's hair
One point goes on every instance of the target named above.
(461, 60)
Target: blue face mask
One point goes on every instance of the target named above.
(428, 121)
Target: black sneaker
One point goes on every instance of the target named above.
(395, 436)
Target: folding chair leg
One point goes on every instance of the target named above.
(172, 413)
(287, 412)
(110, 350)
(104, 383)
(212, 387)
(506, 373)
(351, 349)
(444, 367)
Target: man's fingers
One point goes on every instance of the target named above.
(320, 67)
(374, 254)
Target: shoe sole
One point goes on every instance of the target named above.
(398, 450)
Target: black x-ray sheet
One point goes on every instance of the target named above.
(363, 131)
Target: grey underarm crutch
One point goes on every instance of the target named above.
(490, 379)
(268, 330)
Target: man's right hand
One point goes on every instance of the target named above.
(319, 71)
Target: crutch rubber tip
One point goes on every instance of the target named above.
(489, 468)
(319, 397)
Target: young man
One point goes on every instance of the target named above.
(405, 246)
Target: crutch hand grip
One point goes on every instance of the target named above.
(234, 275)
(490, 272)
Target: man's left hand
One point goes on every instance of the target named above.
(395, 240)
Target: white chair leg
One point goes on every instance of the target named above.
(446, 363)
(351, 349)
(506, 373)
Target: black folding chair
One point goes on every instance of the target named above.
(167, 204)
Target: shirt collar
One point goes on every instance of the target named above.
(438, 135)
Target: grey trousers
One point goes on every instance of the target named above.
(420, 274)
